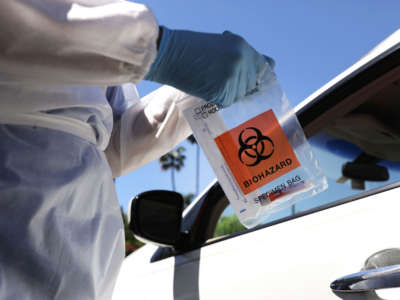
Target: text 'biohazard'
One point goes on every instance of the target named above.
(257, 151)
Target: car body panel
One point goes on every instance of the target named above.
(294, 259)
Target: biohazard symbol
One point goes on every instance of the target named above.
(255, 147)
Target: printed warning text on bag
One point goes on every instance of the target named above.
(257, 151)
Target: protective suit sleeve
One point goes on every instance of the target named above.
(84, 42)
(147, 130)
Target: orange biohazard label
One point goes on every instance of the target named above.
(257, 151)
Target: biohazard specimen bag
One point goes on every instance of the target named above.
(258, 151)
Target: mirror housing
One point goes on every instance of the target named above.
(156, 216)
(365, 171)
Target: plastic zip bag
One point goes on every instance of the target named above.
(257, 150)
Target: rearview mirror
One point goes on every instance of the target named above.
(364, 171)
(155, 216)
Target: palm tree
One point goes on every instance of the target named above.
(193, 140)
(173, 161)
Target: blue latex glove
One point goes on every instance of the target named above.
(221, 68)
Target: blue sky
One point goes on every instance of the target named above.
(311, 41)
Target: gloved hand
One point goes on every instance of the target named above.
(221, 68)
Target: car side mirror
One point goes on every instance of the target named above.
(155, 217)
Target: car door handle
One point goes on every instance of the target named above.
(362, 285)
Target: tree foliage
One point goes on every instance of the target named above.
(174, 161)
(131, 243)
(191, 139)
(228, 225)
(187, 199)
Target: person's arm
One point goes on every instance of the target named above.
(147, 130)
(85, 42)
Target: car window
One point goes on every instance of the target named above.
(333, 153)
(228, 223)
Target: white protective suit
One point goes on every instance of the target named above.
(61, 232)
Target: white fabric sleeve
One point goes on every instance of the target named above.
(84, 42)
(148, 129)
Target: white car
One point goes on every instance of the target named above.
(304, 252)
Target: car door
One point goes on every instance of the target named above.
(299, 255)
(353, 126)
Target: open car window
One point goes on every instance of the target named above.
(354, 130)
(369, 174)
